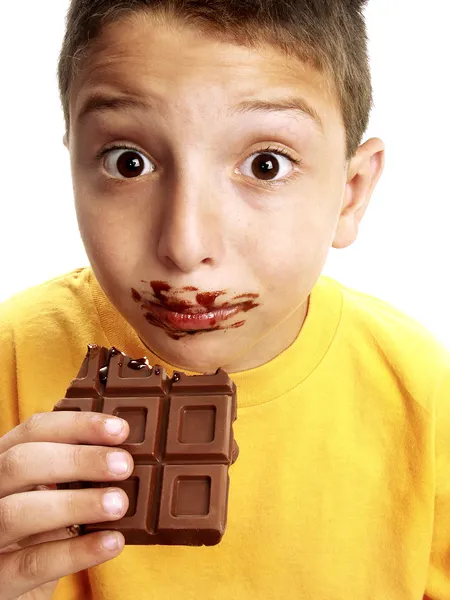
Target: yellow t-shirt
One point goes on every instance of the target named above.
(342, 486)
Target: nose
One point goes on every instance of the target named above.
(190, 233)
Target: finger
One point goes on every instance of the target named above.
(67, 427)
(32, 567)
(35, 463)
(31, 513)
(32, 488)
(47, 590)
(64, 533)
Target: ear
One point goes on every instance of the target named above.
(364, 171)
(65, 141)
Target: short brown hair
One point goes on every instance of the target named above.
(330, 35)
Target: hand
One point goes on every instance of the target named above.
(36, 549)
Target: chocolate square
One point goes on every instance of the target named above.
(145, 418)
(182, 443)
(196, 431)
(192, 501)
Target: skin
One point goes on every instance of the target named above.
(36, 549)
(201, 216)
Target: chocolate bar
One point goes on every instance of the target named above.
(182, 443)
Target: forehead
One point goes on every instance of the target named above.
(166, 60)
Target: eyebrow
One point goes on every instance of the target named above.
(291, 104)
(98, 102)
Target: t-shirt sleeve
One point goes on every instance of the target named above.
(9, 412)
(438, 584)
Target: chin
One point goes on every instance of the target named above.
(202, 353)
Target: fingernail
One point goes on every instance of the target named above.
(117, 462)
(110, 541)
(112, 503)
(114, 426)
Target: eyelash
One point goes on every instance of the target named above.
(271, 148)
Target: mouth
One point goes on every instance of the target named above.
(193, 319)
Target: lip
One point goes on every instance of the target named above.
(195, 320)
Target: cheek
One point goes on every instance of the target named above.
(106, 243)
(112, 227)
(293, 247)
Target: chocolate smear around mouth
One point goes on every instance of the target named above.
(164, 295)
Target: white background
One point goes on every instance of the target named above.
(402, 252)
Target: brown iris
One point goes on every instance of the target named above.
(266, 165)
(130, 164)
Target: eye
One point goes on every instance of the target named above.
(126, 163)
(268, 164)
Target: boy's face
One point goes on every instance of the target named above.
(204, 212)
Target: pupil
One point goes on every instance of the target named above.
(130, 164)
(268, 165)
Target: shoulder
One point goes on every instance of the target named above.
(385, 338)
(56, 311)
(44, 331)
(48, 298)
(388, 323)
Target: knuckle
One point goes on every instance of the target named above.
(78, 418)
(7, 516)
(77, 457)
(84, 424)
(71, 506)
(97, 458)
(32, 423)
(31, 563)
(10, 462)
(72, 553)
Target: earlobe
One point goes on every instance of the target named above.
(364, 172)
(65, 142)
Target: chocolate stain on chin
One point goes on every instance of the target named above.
(166, 296)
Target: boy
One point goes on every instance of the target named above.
(215, 147)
